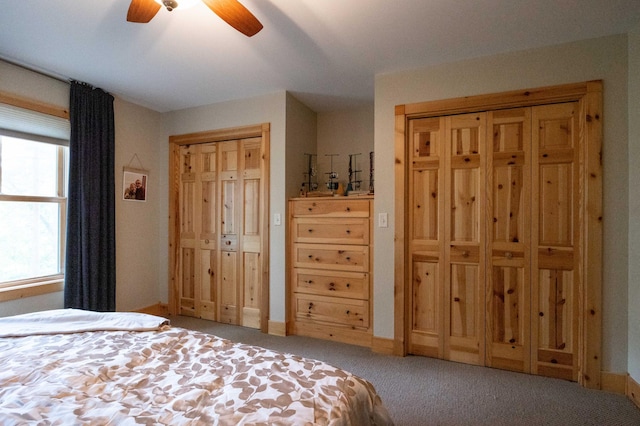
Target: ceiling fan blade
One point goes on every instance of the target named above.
(142, 11)
(236, 15)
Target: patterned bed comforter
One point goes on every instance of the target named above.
(172, 376)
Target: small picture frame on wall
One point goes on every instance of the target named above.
(135, 185)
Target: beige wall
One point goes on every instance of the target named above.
(302, 130)
(343, 133)
(634, 204)
(139, 263)
(33, 85)
(602, 58)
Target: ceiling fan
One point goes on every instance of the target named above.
(231, 11)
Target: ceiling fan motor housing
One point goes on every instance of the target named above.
(170, 4)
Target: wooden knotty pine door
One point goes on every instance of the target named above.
(494, 224)
(220, 259)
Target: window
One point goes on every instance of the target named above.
(33, 186)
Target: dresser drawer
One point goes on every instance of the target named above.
(331, 208)
(331, 256)
(352, 285)
(331, 230)
(350, 312)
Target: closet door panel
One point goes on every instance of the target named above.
(208, 201)
(426, 217)
(426, 231)
(228, 290)
(465, 337)
(555, 337)
(187, 207)
(508, 246)
(229, 230)
(208, 231)
(556, 205)
(251, 273)
(426, 292)
(507, 327)
(463, 302)
(187, 281)
(207, 285)
(465, 239)
(465, 208)
(229, 220)
(250, 280)
(556, 241)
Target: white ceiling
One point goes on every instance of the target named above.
(325, 52)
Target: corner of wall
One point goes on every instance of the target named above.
(633, 360)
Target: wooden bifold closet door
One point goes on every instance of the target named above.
(494, 227)
(218, 271)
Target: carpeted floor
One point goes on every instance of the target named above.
(426, 391)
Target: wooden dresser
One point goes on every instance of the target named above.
(331, 264)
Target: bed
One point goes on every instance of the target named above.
(70, 366)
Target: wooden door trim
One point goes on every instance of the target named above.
(589, 96)
(218, 135)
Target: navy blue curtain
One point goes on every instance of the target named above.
(90, 266)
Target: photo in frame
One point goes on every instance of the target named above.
(135, 185)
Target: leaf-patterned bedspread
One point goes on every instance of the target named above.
(173, 376)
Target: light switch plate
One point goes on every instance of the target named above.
(277, 219)
(383, 220)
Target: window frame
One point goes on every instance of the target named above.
(34, 286)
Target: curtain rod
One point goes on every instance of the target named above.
(40, 71)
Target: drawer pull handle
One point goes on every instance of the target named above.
(332, 286)
(456, 299)
(310, 230)
(348, 285)
(465, 253)
(310, 305)
(348, 258)
(508, 255)
(348, 209)
(206, 241)
(309, 281)
(348, 312)
(310, 256)
(348, 231)
(228, 243)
